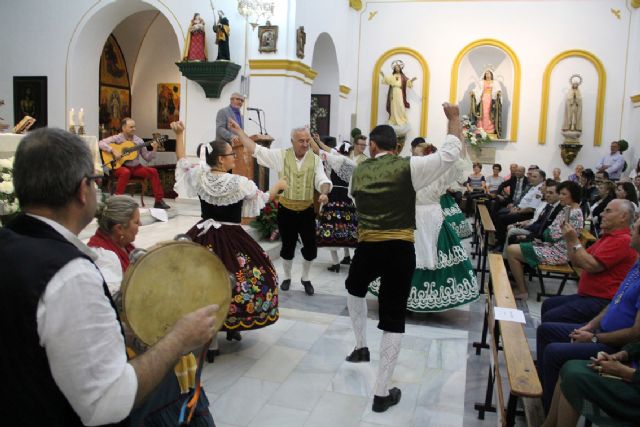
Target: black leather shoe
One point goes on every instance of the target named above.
(381, 404)
(234, 335)
(346, 260)
(161, 205)
(211, 355)
(359, 355)
(285, 284)
(308, 287)
(335, 268)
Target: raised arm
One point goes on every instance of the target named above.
(249, 144)
(178, 129)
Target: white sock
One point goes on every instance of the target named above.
(358, 314)
(286, 265)
(334, 256)
(306, 266)
(389, 351)
(346, 252)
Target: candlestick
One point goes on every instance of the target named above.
(81, 117)
(71, 117)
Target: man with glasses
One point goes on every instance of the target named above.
(62, 340)
(359, 146)
(231, 112)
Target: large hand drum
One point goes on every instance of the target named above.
(170, 280)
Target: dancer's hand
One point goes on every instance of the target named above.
(177, 127)
(452, 111)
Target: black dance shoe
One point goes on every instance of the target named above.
(335, 268)
(234, 335)
(161, 205)
(285, 284)
(346, 260)
(359, 355)
(211, 355)
(381, 404)
(308, 287)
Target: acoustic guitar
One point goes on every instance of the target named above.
(129, 151)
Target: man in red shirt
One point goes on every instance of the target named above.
(605, 265)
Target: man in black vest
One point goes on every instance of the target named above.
(62, 345)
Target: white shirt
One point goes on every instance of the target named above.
(532, 199)
(80, 333)
(273, 158)
(615, 163)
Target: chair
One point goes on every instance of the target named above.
(133, 181)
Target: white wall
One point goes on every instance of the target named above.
(327, 81)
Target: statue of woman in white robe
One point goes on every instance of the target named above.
(486, 113)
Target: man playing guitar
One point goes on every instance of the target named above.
(133, 168)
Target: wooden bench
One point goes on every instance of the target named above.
(510, 338)
(484, 230)
(564, 272)
(475, 237)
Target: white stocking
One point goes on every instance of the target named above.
(306, 266)
(214, 343)
(346, 252)
(389, 351)
(358, 312)
(334, 257)
(286, 265)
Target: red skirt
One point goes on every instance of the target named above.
(254, 297)
(196, 47)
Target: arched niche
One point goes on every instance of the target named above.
(423, 82)
(85, 47)
(327, 81)
(468, 68)
(602, 87)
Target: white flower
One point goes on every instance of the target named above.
(6, 187)
(6, 163)
(7, 177)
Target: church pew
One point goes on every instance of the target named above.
(485, 230)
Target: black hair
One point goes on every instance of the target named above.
(588, 175)
(216, 149)
(573, 189)
(550, 182)
(630, 189)
(417, 141)
(497, 165)
(329, 141)
(384, 137)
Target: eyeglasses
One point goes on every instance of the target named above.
(234, 154)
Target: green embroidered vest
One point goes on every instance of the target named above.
(384, 195)
(299, 195)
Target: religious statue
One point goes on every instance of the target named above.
(487, 113)
(397, 96)
(572, 124)
(301, 40)
(195, 46)
(27, 104)
(222, 31)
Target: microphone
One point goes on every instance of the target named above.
(254, 109)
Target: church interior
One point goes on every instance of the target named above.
(330, 65)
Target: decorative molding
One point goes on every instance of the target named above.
(602, 87)
(345, 90)
(282, 75)
(375, 85)
(355, 5)
(515, 105)
(285, 65)
(211, 76)
(635, 98)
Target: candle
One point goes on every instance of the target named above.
(71, 120)
(81, 117)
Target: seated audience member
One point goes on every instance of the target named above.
(532, 168)
(636, 183)
(511, 191)
(617, 324)
(476, 187)
(602, 176)
(626, 190)
(589, 190)
(542, 219)
(575, 177)
(524, 209)
(606, 391)
(635, 171)
(556, 175)
(552, 249)
(67, 355)
(494, 180)
(604, 264)
(513, 167)
(606, 192)
(133, 168)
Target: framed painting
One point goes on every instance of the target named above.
(168, 104)
(115, 105)
(268, 37)
(113, 68)
(320, 114)
(30, 99)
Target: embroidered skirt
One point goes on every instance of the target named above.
(254, 298)
(337, 225)
(454, 216)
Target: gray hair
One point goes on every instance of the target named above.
(629, 208)
(115, 210)
(299, 129)
(49, 166)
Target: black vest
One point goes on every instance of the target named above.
(31, 253)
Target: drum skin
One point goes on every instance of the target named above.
(171, 280)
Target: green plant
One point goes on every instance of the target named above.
(267, 222)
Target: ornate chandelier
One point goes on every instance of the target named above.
(255, 10)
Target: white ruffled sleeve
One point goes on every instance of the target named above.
(187, 176)
(254, 198)
(341, 165)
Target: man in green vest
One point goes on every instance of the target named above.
(304, 172)
(384, 189)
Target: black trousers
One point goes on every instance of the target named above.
(294, 223)
(394, 262)
(506, 218)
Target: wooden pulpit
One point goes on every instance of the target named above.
(247, 166)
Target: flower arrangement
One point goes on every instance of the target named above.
(8, 201)
(472, 134)
(267, 222)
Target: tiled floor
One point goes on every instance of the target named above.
(293, 373)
